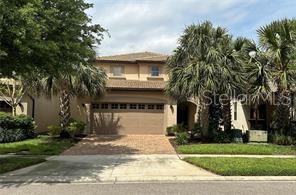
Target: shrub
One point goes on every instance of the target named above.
(174, 129)
(75, 127)
(54, 130)
(170, 131)
(237, 135)
(245, 137)
(281, 139)
(233, 135)
(222, 137)
(16, 128)
(196, 132)
(182, 138)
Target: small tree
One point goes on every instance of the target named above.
(82, 81)
(12, 90)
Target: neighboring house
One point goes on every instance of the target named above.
(246, 117)
(135, 102)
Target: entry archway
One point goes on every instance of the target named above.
(187, 114)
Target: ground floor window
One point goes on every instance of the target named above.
(4, 107)
(131, 106)
(123, 106)
(258, 117)
(114, 106)
(141, 106)
(159, 107)
(235, 111)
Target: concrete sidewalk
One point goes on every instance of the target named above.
(122, 169)
(107, 168)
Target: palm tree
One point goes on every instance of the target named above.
(82, 81)
(233, 60)
(278, 41)
(258, 73)
(204, 65)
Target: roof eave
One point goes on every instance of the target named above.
(133, 89)
(132, 62)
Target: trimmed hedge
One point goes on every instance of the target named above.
(16, 128)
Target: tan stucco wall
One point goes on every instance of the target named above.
(47, 110)
(243, 116)
(136, 71)
(171, 112)
(192, 115)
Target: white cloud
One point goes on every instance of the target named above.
(155, 25)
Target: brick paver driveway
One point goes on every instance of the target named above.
(130, 144)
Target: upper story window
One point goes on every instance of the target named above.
(117, 70)
(154, 71)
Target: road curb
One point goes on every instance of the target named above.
(152, 179)
(182, 156)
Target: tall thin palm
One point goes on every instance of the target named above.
(82, 81)
(257, 69)
(233, 60)
(278, 41)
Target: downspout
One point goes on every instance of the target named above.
(33, 105)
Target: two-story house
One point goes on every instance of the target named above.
(135, 102)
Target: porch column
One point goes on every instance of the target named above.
(171, 109)
(88, 113)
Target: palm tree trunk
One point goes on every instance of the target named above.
(215, 116)
(281, 115)
(227, 115)
(13, 110)
(64, 112)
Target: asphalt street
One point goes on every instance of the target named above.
(201, 187)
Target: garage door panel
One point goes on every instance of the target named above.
(128, 122)
(106, 123)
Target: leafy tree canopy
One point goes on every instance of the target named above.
(47, 36)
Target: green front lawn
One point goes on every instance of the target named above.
(13, 163)
(42, 145)
(236, 149)
(233, 166)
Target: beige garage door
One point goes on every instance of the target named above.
(128, 118)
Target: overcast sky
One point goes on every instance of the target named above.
(155, 25)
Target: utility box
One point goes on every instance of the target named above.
(257, 136)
